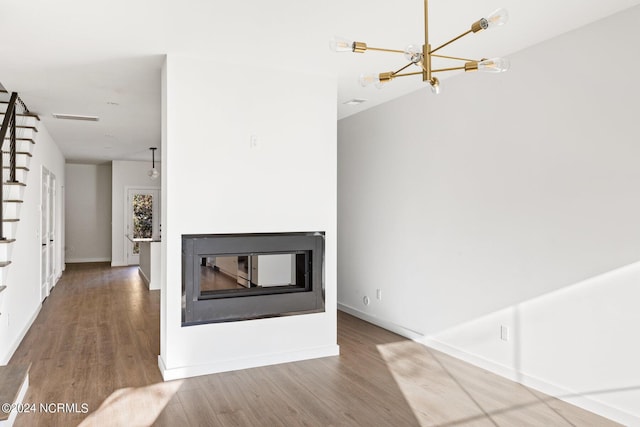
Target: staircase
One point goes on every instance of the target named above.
(18, 131)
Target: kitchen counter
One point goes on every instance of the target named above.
(143, 239)
(149, 268)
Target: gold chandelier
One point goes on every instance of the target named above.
(422, 57)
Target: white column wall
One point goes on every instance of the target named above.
(215, 183)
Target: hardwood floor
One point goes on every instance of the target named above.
(96, 342)
(211, 280)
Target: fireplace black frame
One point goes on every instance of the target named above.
(242, 305)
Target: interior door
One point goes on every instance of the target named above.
(45, 259)
(51, 228)
(143, 219)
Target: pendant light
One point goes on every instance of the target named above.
(153, 172)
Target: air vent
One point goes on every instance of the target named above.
(76, 117)
(355, 101)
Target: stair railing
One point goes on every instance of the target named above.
(8, 125)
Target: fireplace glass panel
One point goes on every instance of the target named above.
(233, 277)
(227, 275)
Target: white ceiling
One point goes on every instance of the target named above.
(104, 57)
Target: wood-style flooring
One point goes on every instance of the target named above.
(212, 280)
(96, 342)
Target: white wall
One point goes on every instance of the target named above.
(497, 198)
(88, 212)
(126, 174)
(20, 302)
(215, 183)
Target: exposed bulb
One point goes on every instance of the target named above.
(494, 65)
(435, 86)
(497, 18)
(368, 79)
(340, 44)
(153, 173)
(371, 79)
(413, 53)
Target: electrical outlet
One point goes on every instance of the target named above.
(504, 333)
(379, 294)
(254, 142)
(365, 300)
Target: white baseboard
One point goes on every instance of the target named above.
(13, 347)
(144, 277)
(19, 399)
(246, 363)
(561, 393)
(390, 326)
(80, 260)
(162, 366)
(553, 390)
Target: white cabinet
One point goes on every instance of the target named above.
(274, 270)
(266, 270)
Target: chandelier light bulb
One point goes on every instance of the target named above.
(153, 173)
(378, 80)
(369, 79)
(435, 86)
(497, 18)
(413, 53)
(494, 65)
(340, 44)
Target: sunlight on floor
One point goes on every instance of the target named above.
(447, 392)
(428, 389)
(133, 406)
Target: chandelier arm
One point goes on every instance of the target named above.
(379, 49)
(402, 69)
(408, 74)
(451, 41)
(447, 69)
(455, 58)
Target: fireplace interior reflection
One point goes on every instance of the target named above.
(227, 273)
(232, 277)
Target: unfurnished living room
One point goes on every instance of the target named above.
(293, 213)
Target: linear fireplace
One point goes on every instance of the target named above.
(233, 277)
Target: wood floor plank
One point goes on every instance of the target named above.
(11, 380)
(96, 341)
(172, 415)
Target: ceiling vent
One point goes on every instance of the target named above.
(76, 117)
(354, 101)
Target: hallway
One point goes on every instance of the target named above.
(97, 332)
(95, 342)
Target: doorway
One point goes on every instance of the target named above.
(142, 219)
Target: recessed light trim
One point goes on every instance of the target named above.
(75, 117)
(354, 101)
